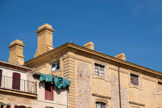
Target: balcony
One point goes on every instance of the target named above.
(18, 86)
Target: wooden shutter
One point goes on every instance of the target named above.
(16, 81)
(8, 106)
(48, 91)
(0, 77)
(16, 106)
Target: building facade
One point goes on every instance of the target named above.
(97, 80)
(20, 86)
(17, 87)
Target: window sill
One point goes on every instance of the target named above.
(159, 93)
(57, 72)
(135, 86)
(100, 77)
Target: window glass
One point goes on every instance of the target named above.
(134, 79)
(99, 69)
(55, 66)
(100, 105)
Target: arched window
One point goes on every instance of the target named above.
(16, 81)
(100, 105)
(0, 77)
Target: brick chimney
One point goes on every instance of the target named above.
(16, 52)
(89, 45)
(121, 56)
(45, 39)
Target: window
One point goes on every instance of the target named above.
(16, 81)
(99, 69)
(159, 86)
(0, 77)
(55, 66)
(100, 105)
(48, 91)
(134, 79)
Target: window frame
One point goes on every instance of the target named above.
(101, 103)
(100, 68)
(57, 65)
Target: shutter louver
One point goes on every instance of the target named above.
(16, 81)
(48, 91)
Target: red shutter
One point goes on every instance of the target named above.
(0, 77)
(16, 81)
(8, 106)
(16, 106)
(48, 91)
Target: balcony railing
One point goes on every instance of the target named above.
(18, 84)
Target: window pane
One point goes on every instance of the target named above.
(99, 69)
(58, 66)
(55, 66)
(100, 105)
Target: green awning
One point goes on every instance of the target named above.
(59, 82)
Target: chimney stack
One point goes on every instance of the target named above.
(89, 45)
(16, 52)
(45, 39)
(121, 56)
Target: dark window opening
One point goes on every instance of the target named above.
(0, 77)
(134, 79)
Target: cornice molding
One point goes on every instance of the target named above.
(135, 103)
(101, 96)
(93, 54)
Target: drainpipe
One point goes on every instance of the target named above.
(119, 86)
(67, 97)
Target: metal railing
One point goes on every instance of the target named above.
(21, 85)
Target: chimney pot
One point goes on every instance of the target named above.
(16, 52)
(89, 45)
(45, 39)
(121, 56)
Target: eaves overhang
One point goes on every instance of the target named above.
(76, 48)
